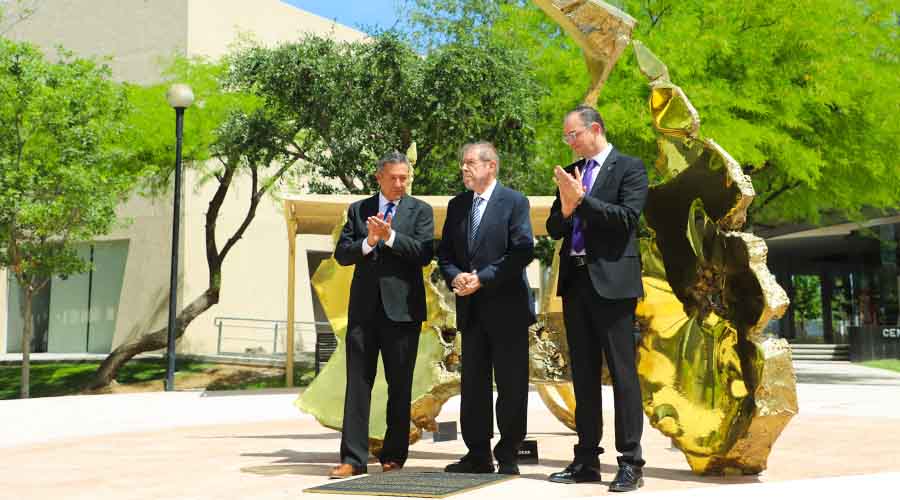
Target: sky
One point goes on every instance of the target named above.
(354, 13)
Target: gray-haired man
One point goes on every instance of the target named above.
(389, 238)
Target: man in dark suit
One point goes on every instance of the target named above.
(486, 243)
(389, 238)
(596, 213)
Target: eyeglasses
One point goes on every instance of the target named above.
(570, 137)
(470, 163)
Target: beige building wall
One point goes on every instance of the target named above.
(215, 25)
(254, 284)
(133, 34)
(143, 301)
(137, 36)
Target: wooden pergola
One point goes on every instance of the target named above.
(319, 214)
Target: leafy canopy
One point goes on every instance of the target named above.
(63, 165)
(802, 93)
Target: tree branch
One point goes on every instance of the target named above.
(776, 194)
(213, 258)
(256, 196)
(747, 27)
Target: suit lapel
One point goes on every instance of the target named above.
(369, 208)
(490, 213)
(403, 216)
(466, 223)
(605, 170)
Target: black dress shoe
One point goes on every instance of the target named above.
(507, 468)
(466, 466)
(629, 478)
(577, 473)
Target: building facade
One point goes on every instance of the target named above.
(126, 293)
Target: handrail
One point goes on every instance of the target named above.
(261, 324)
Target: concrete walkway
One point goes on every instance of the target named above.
(223, 445)
(843, 372)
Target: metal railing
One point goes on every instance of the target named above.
(262, 338)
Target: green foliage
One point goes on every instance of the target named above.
(65, 379)
(352, 102)
(63, 165)
(802, 93)
(807, 300)
(152, 122)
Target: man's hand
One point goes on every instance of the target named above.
(379, 229)
(459, 282)
(374, 232)
(571, 189)
(466, 284)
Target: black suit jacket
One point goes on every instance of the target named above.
(392, 273)
(610, 214)
(504, 247)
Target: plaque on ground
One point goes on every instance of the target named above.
(446, 431)
(410, 484)
(528, 452)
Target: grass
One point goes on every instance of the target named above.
(885, 364)
(303, 376)
(62, 379)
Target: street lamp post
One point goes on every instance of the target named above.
(180, 97)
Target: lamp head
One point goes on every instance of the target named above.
(180, 95)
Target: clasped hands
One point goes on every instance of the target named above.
(571, 189)
(379, 229)
(466, 284)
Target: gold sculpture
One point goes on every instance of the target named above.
(710, 378)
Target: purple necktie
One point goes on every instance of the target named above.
(577, 235)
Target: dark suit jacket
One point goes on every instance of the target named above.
(505, 245)
(610, 214)
(392, 273)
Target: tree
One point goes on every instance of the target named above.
(356, 101)
(807, 300)
(228, 135)
(62, 168)
(802, 94)
(321, 113)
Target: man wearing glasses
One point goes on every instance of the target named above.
(596, 213)
(485, 245)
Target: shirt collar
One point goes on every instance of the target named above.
(601, 157)
(486, 195)
(382, 201)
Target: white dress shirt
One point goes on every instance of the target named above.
(382, 207)
(486, 196)
(599, 158)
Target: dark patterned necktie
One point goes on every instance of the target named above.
(389, 210)
(578, 230)
(476, 219)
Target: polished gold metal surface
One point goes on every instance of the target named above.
(710, 378)
(600, 29)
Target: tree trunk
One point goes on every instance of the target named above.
(152, 341)
(27, 327)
